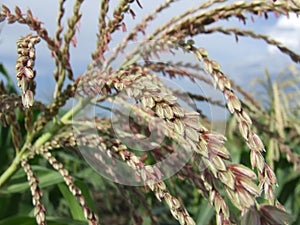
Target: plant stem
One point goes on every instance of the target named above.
(40, 141)
(45, 137)
(60, 82)
(11, 169)
(131, 61)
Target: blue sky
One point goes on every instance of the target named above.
(242, 61)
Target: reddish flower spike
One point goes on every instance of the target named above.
(74, 41)
(124, 27)
(132, 13)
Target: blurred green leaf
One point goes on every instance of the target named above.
(288, 186)
(10, 84)
(8, 205)
(76, 210)
(72, 201)
(46, 177)
(205, 213)
(26, 220)
(86, 193)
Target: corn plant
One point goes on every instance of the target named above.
(181, 141)
(276, 122)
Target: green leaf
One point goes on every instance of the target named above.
(86, 193)
(76, 210)
(288, 185)
(26, 220)
(46, 178)
(10, 85)
(205, 213)
(8, 205)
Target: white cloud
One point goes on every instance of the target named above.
(287, 31)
